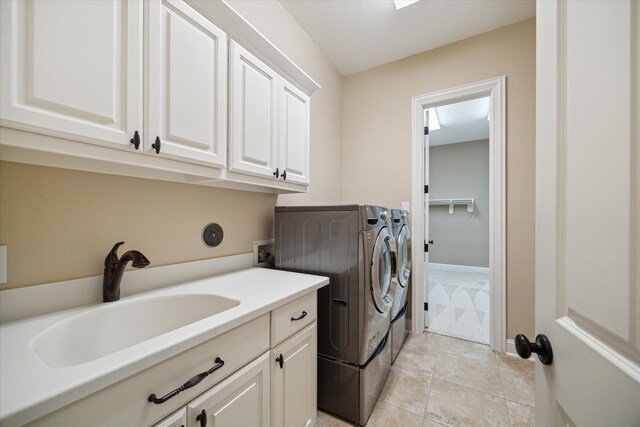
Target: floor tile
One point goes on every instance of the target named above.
(417, 359)
(518, 379)
(467, 349)
(453, 405)
(326, 420)
(430, 423)
(385, 415)
(424, 340)
(406, 390)
(521, 415)
(466, 372)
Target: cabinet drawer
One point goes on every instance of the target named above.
(290, 318)
(125, 403)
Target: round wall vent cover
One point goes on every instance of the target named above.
(212, 234)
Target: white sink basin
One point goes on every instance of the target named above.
(114, 326)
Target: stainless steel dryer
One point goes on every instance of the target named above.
(399, 310)
(353, 246)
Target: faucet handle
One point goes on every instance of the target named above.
(112, 257)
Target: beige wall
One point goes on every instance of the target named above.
(460, 171)
(376, 137)
(59, 224)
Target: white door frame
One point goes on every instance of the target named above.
(494, 88)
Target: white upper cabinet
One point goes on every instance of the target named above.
(293, 134)
(72, 68)
(187, 84)
(253, 108)
(269, 131)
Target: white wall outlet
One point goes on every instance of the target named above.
(405, 206)
(3, 264)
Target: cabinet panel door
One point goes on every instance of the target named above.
(253, 109)
(242, 400)
(78, 75)
(293, 386)
(177, 419)
(293, 133)
(187, 84)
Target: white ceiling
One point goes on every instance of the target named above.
(360, 34)
(461, 122)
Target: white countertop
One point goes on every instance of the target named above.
(29, 389)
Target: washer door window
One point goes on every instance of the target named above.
(384, 271)
(404, 256)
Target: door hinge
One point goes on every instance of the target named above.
(426, 247)
(426, 306)
(426, 189)
(426, 130)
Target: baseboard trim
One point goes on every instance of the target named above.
(511, 347)
(455, 267)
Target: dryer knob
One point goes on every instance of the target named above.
(384, 215)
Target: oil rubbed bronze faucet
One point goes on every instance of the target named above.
(114, 269)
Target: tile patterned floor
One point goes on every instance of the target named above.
(441, 381)
(459, 302)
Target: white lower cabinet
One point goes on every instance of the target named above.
(268, 378)
(293, 380)
(177, 419)
(242, 400)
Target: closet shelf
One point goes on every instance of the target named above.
(452, 202)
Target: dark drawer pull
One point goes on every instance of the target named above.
(280, 360)
(190, 383)
(302, 316)
(202, 418)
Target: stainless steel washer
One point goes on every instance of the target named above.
(402, 235)
(354, 246)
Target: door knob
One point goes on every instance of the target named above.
(542, 347)
(430, 242)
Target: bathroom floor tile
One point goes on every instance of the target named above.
(453, 405)
(466, 372)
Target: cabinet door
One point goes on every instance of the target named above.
(293, 134)
(77, 75)
(187, 84)
(177, 419)
(242, 400)
(293, 380)
(253, 109)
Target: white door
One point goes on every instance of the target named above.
(78, 75)
(187, 85)
(242, 400)
(293, 134)
(294, 380)
(588, 212)
(253, 107)
(426, 218)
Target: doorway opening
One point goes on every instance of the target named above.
(458, 284)
(465, 232)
